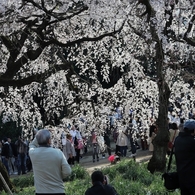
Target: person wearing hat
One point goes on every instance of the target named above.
(185, 158)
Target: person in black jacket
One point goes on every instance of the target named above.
(107, 141)
(12, 156)
(5, 153)
(100, 186)
(185, 158)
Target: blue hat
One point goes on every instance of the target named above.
(190, 124)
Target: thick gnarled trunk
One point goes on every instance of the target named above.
(158, 160)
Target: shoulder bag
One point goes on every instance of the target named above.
(170, 144)
(171, 179)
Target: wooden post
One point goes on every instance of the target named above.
(5, 184)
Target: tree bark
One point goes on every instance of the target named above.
(158, 160)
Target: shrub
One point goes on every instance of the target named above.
(130, 170)
(127, 177)
(78, 172)
(23, 181)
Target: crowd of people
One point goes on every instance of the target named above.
(14, 156)
(128, 135)
(23, 155)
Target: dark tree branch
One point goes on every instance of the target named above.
(77, 9)
(189, 29)
(169, 12)
(39, 77)
(37, 31)
(148, 10)
(60, 17)
(85, 39)
(14, 67)
(31, 55)
(139, 33)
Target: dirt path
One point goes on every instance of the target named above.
(86, 161)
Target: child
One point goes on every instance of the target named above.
(114, 158)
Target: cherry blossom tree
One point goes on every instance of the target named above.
(170, 31)
(38, 75)
(56, 56)
(37, 40)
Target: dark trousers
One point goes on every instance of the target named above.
(123, 150)
(21, 163)
(144, 143)
(109, 149)
(71, 161)
(95, 148)
(5, 162)
(77, 155)
(133, 146)
(117, 149)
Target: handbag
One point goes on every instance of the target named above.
(80, 144)
(170, 144)
(171, 179)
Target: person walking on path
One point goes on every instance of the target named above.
(131, 132)
(173, 133)
(22, 154)
(122, 142)
(50, 166)
(95, 146)
(76, 138)
(107, 141)
(5, 154)
(152, 135)
(70, 150)
(13, 157)
(63, 141)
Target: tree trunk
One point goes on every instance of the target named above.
(5, 175)
(158, 160)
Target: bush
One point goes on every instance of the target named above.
(130, 170)
(78, 172)
(23, 181)
(127, 177)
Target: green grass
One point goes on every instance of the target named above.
(127, 177)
